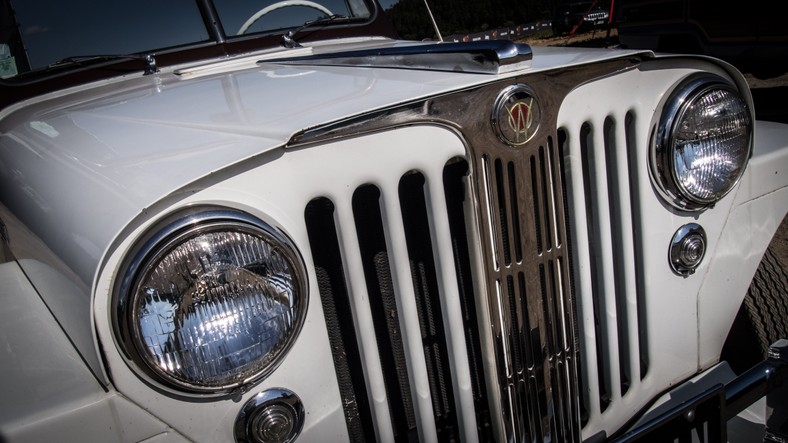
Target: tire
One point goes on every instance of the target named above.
(766, 302)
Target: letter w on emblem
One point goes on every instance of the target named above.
(520, 119)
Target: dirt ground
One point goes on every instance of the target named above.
(594, 38)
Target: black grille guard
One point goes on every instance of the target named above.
(705, 415)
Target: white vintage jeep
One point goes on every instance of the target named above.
(270, 221)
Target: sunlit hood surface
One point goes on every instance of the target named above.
(125, 144)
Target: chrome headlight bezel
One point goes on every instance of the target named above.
(161, 240)
(662, 164)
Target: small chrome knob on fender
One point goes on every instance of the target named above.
(272, 416)
(687, 249)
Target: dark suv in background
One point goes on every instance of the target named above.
(752, 36)
(583, 15)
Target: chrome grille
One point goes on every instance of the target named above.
(530, 299)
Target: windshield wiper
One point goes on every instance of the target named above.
(288, 38)
(150, 61)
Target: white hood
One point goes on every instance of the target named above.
(78, 167)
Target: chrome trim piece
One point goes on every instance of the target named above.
(687, 249)
(150, 64)
(161, 237)
(484, 57)
(278, 408)
(530, 299)
(516, 115)
(661, 165)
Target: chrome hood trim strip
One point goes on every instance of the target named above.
(484, 57)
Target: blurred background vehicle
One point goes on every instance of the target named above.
(571, 17)
(751, 35)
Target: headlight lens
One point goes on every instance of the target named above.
(704, 141)
(213, 302)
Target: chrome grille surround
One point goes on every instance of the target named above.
(538, 386)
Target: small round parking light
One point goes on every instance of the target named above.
(687, 249)
(272, 416)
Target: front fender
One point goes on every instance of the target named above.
(48, 392)
(64, 295)
(760, 205)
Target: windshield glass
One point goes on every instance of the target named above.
(247, 17)
(36, 34)
(53, 29)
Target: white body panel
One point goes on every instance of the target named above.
(49, 394)
(760, 204)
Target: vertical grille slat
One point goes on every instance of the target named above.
(514, 203)
(547, 207)
(535, 198)
(503, 212)
(512, 312)
(458, 304)
(490, 207)
(530, 344)
(632, 248)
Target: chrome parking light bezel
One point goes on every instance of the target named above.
(257, 408)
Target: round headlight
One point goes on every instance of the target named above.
(211, 302)
(703, 143)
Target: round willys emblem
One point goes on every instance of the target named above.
(516, 115)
